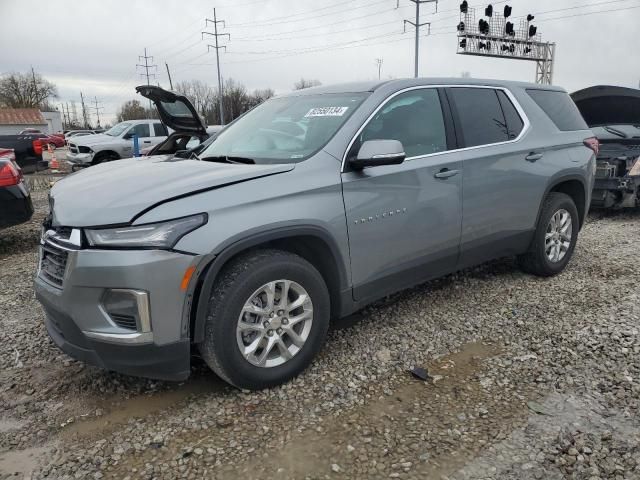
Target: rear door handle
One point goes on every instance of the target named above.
(446, 173)
(147, 141)
(533, 156)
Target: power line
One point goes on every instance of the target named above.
(97, 109)
(146, 67)
(85, 117)
(417, 26)
(217, 47)
(169, 75)
(379, 62)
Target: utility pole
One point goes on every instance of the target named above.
(146, 67)
(417, 26)
(97, 109)
(379, 62)
(85, 118)
(215, 22)
(169, 75)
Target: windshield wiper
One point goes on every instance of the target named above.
(227, 159)
(615, 131)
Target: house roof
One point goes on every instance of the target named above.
(21, 116)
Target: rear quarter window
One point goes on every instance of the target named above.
(559, 108)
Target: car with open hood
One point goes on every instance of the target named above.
(613, 113)
(306, 209)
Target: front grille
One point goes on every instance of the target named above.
(53, 264)
(124, 321)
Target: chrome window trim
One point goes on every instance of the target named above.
(510, 96)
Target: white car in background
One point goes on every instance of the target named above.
(115, 143)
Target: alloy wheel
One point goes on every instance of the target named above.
(557, 239)
(274, 323)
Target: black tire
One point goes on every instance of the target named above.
(234, 285)
(535, 261)
(104, 157)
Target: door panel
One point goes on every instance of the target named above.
(502, 189)
(403, 222)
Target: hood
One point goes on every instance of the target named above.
(176, 111)
(608, 105)
(88, 140)
(116, 192)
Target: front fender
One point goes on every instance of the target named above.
(210, 266)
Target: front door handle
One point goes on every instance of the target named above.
(147, 141)
(446, 173)
(533, 156)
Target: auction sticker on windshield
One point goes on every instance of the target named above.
(327, 112)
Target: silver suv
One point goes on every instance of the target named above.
(306, 209)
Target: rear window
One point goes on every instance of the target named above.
(481, 116)
(560, 109)
(511, 115)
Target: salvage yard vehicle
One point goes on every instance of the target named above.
(15, 200)
(307, 208)
(189, 130)
(115, 143)
(613, 113)
(27, 149)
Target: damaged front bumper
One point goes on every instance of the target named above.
(616, 192)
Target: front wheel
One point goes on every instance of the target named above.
(267, 318)
(555, 237)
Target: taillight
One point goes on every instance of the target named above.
(37, 147)
(8, 155)
(593, 144)
(9, 174)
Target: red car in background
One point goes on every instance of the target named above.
(53, 140)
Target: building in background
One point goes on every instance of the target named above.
(54, 121)
(14, 120)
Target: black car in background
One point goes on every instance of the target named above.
(15, 200)
(613, 113)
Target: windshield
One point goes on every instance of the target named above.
(116, 130)
(287, 129)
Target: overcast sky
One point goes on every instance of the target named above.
(93, 46)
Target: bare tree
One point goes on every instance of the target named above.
(26, 90)
(201, 95)
(132, 110)
(305, 83)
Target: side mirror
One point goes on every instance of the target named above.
(127, 136)
(378, 152)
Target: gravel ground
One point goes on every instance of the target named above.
(530, 378)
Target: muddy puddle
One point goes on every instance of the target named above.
(20, 464)
(121, 412)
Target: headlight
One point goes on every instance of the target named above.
(83, 149)
(157, 235)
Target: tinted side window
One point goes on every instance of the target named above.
(141, 130)
(160, 129)
(560, 109)
(514, 122)
(480, 116)
(414, 118)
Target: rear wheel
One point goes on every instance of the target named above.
(555, 237)
(267, 318)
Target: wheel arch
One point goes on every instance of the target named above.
(104, 153)
(575, 187)
(312, 243)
